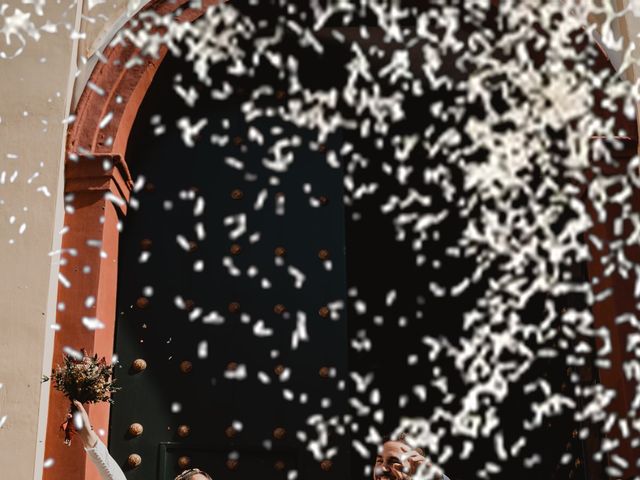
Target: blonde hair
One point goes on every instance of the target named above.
(187, 474)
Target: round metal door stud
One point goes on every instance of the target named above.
(237, 194)
(189, 304)
(134, 460)
(138, 365)
(142, 302)
(186, 366)
(135, 430)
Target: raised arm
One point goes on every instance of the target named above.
(416, 459)
(96, 450)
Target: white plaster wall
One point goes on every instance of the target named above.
(34, 99)
(630, 31)
(36, 89)
(36, 95)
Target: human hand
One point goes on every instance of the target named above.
(83, 426)
(416, 460)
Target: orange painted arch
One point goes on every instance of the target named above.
(94, 167)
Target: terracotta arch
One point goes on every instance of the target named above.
(622, 299)
(97, 188)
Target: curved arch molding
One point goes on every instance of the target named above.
(97, 188)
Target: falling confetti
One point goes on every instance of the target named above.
(472, 131)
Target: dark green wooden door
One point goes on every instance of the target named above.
(225, 275)
(231, 262)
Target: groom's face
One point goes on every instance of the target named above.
(391, 462)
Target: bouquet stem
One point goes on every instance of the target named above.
(68, 427)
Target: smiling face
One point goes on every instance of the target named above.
(392, 462)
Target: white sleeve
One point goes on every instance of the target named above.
(106, 465)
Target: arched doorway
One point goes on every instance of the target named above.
(88, 182)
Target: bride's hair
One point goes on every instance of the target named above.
(192, 472)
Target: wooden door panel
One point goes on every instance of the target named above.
(161, 246)
(218, 461)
